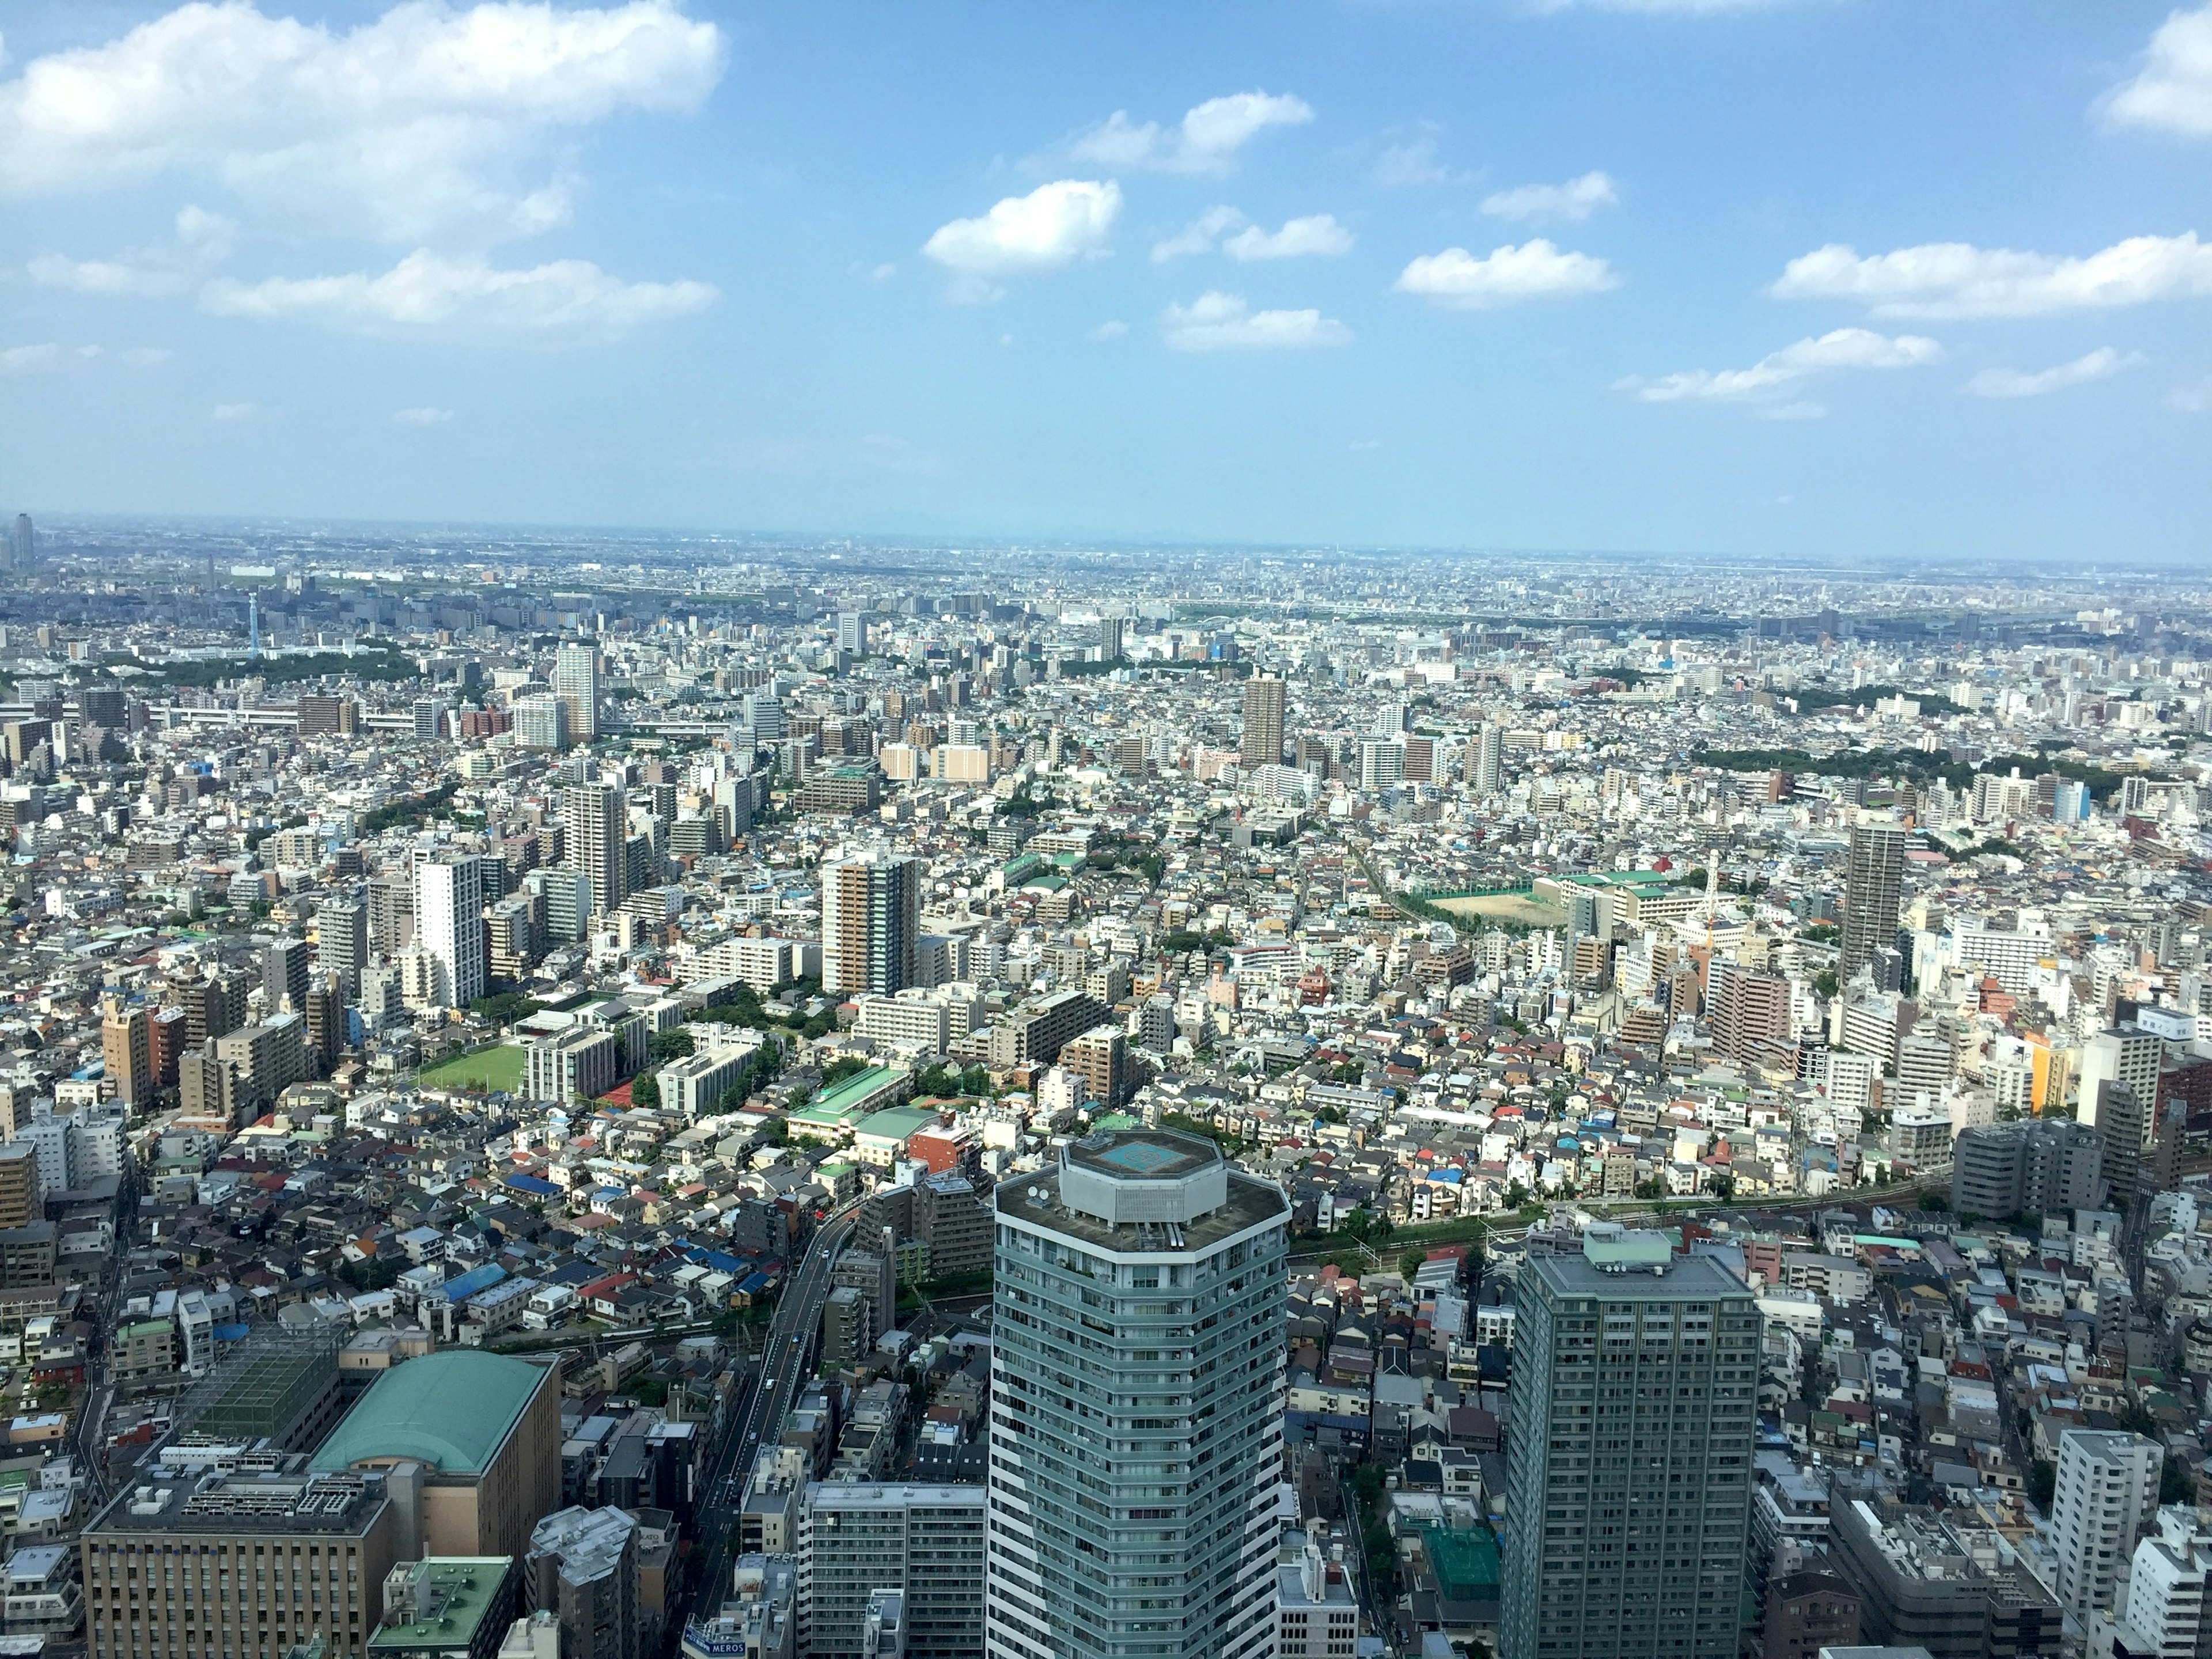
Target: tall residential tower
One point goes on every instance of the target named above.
(871, 923)
(1873, 884)
(1263, 723)
(576, 683)
(1136, 1404)
(1635, 1387)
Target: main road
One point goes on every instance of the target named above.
(785, 1362)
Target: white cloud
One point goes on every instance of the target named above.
(1533, 271)
(1053, 226)
(1576, 199)
(1366, 446)
(2174, 93)
(427, 118)
(426, 415)
(1413, 164)
(882, 273)
(2098, 365)
(1208, 141)
(1198, 236)
(235, 412)
(426, 289)
(2191, 397)
(1315, 233)
(1112, 328)
(14, 360)
(1956, 279)
(1225, 322)
(1845, 348)
(145, 357)
(202, 242)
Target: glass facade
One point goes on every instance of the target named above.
(1136, 1421)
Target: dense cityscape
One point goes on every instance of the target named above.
(598, 1097)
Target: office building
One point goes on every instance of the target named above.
(248, 1566)
(856, 1538)
(1316, 1615)
(582, 1567)
(23, 545)
(1191, 1254)
(853, 633)
(446, 1608)
(2028, 1166)
(1263, 743)
(284, 974)
(576, 683)
(126, 1051)
(472, 1439)
(1937, 1579)
(328, 716)
(342, 941)
(871, 923)
(595, 827)
(1632, 1526)
(1109, 638)
(1873, 888)
(449, 925)
(2106, 1494)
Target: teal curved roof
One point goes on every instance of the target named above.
(451, 1411)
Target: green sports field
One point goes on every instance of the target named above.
(499, 1067)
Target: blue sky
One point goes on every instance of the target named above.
(1820, 276)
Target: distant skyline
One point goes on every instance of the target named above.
(1788, 278)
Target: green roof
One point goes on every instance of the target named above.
(843, 1097)
(452, 1411)
(464, 1591)
(1465, 1562)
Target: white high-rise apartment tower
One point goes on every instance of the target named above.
(595, 831)
(449, 925)
(576, 683)
(1136, 1404)
(2107, 1489)
(1489, 759)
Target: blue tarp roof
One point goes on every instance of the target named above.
(476, 1279)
